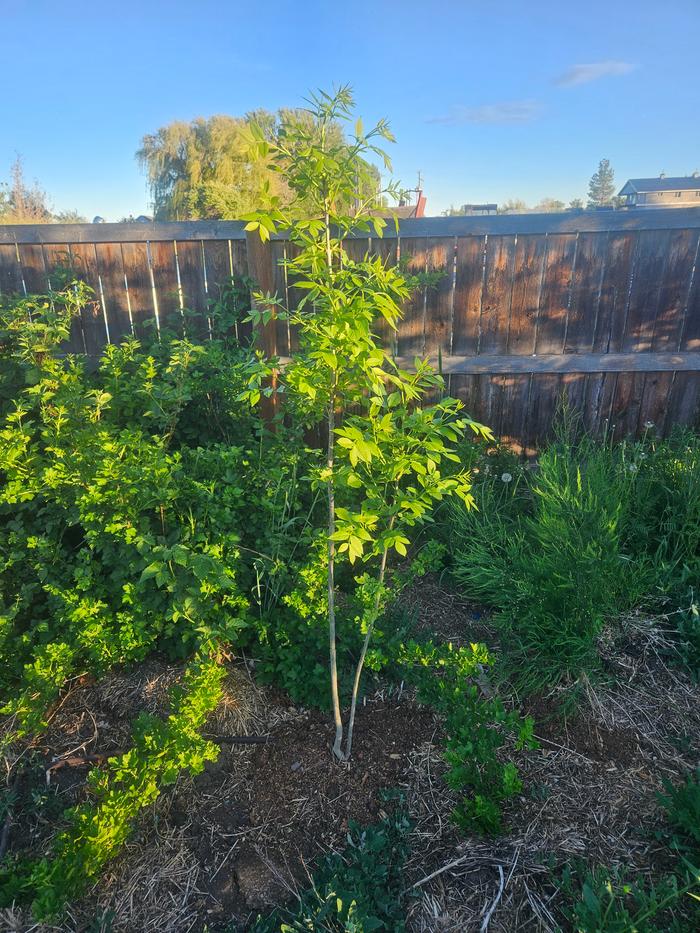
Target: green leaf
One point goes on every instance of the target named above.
(152, 570)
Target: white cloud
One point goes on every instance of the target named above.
(583, 74)
(516, 111)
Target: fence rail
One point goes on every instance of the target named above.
(600, 307)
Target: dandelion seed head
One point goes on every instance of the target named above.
(506, 477)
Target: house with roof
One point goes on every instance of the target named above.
(664, 191)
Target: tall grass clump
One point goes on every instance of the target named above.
(546, 550)
(593, 528)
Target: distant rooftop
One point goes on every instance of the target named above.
(662, 183)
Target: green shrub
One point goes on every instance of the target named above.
(141, 505)
(447, 679)
(663, 526)
(592, 529)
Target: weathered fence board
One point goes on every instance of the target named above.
(163, 262)
(599, 308)
(115, 297)
(93, 317)
(496, 294)
(528, 273)
(468, 289)
(411, 334)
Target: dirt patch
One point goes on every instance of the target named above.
(219, 848)
(580, 734)
(310, 796)
(444, 615)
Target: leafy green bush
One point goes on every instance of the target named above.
(477, 727)
(291, 645)
(662, 528)
(664, 524)
(122, 528)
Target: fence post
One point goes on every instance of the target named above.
(260, 270)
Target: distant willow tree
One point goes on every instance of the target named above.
(208, 168)
(601, 187)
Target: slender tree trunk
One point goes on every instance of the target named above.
(337, 715)
(329, 253)
(330, 463)
(363, 653)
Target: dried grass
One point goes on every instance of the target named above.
(589, 794)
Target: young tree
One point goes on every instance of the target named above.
(601, 187)
(385, 454)
(575, 204)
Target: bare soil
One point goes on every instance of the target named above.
(237, 839)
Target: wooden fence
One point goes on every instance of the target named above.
(601, 308)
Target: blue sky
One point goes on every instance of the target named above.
(520, 100)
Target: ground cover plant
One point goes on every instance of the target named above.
(361, 890)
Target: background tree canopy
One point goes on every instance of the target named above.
(208, 167)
